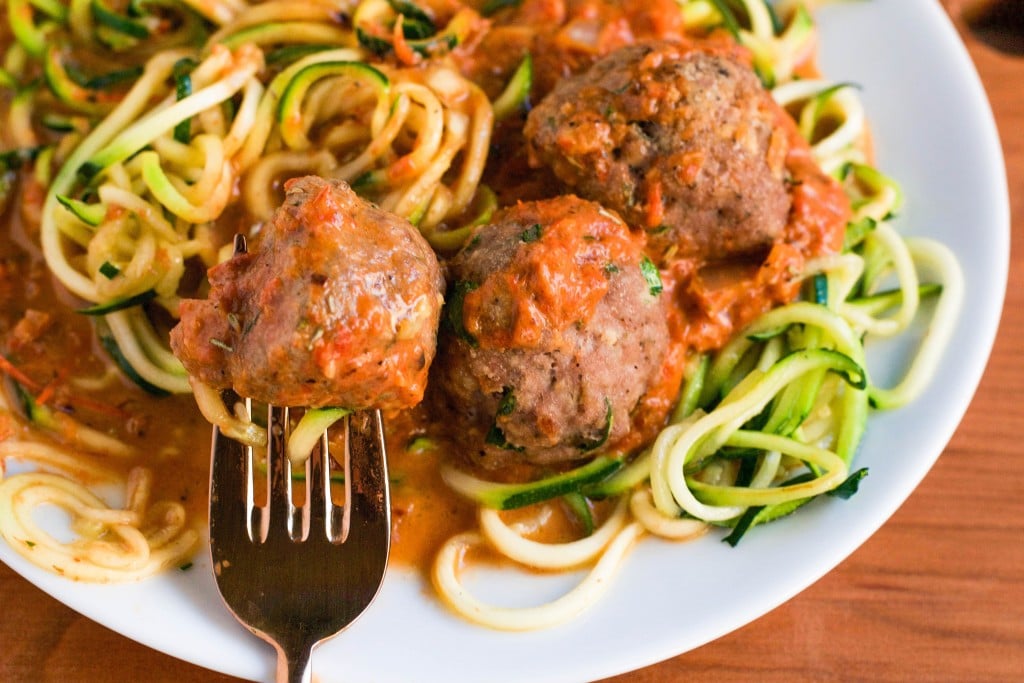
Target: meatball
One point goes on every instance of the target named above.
(680, 140)
(337, 305)
(553, 329)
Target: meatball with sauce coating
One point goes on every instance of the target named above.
(553, 330)
(337, 305)
(681, 140)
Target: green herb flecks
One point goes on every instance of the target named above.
(651, 276)
(590, 445)
(453, 316)
(496, 437)
(531, 234)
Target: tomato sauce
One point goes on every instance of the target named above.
(557, 279)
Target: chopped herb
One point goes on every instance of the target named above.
(109, 270)
(364, 180)
(185, 567)
(508, 402)
(13, 160)
(506, 406)
(531, 234)
(454, 310)
(610, 268)
(30, 544)
(221, 345)
(89, 170)
(652, 276)
(658, 229)
(587, 446)
(496, 437)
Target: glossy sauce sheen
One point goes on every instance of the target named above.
(558, 281)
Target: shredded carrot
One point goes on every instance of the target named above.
(404, 53)
(655, 205)
(7, 367)
(99, 407)
(47, 393)
(50, 390)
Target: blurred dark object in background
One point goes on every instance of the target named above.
(999, 23)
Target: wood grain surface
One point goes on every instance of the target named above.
(936, 595)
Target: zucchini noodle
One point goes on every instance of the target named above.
(237, 425)
(113, 545)
(110, 544)
(510, 542)
(598, 579)
(818, 101)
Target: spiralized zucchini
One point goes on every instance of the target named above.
(205, 99)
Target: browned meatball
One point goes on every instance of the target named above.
(680, 140)
(337, 305)
(554, 327)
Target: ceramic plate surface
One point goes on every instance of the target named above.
(934, 132)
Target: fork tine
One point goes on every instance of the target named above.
(279, 498)
(318, 490)
(229, 466)
(297, 589)
(368, 494)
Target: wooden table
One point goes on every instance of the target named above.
(937, 594)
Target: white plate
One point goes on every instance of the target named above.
(934, 132)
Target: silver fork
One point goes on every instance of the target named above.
(297, 575)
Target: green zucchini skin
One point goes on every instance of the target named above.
(90, 214)
(109, 344)
(516, 95)
(512, 496)
(119, 304)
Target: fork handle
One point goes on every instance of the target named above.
(294, 664)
